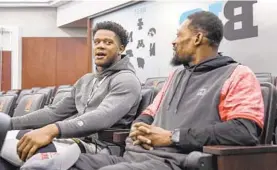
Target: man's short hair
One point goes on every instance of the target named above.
(114, 27)
(209, 24)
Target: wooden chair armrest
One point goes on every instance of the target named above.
(239, 150)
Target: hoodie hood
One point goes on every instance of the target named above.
(211, 64)
(123, 64)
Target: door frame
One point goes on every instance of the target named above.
(16, 55)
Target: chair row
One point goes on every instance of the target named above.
(159, 81)
(37, 98)
(21, 102)
(214, 157)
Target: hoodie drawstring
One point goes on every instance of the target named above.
(186, 85)
(175, 90)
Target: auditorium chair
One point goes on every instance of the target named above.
(160, 85)
(260, 157)
(266, 77)
(147, 97)
(23, 93)
(7, 103)
(117, 147)
(14, 91)
(48, 92)
(53, 92)
(29, 103)
(35, 89)
(154, 81)
(60, 94)
(63, 87)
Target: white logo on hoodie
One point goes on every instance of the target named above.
(201, 92)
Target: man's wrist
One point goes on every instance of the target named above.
(52, 130)
(175, 137)
(168, 138)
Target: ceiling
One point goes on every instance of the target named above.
(32, 3)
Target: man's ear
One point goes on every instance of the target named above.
(198, 38)
(121, 49)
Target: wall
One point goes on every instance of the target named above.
(11, 41)
(37, 22)
(6, 71)
(31, 22)
(79, 9)
(249, 40)
(64, 61)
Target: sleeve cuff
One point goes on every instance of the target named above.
(188, 141)
(184, 137)
(15, 121)
(59, 128)
(145, 118)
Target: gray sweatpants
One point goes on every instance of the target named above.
(109, 162)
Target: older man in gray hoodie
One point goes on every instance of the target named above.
(109, 98)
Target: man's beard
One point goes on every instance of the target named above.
(175, 61)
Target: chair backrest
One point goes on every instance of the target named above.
(5, 125)
(23, 93)
(160, 85)
(29, 103)
(17, 92)
(7, 104)
(61, 93)
(62, 87)
(266, 77)
(35, 89)
(53, 92)
(47, 92)
(154, 81)
(148, 95)
(270, 98)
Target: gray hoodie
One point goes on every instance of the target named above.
(97, 101)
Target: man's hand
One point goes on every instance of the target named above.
(36, 139)
(133, 135)
(135, 132)
(152, 135)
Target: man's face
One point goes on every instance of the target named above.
(106, 48)
(183, 46)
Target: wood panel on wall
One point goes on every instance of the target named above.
(6, 70)
(38, 62)
(53, 61)
(72, 60)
